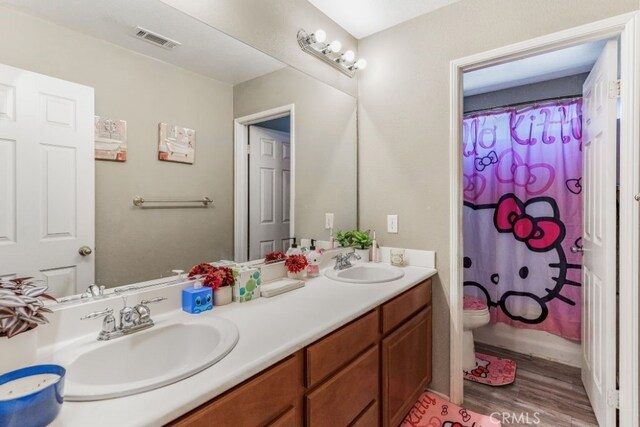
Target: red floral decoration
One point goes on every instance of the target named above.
(296, 263)
(200, 270)
(274, 257)
(214, 277)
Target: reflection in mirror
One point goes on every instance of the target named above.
(164, 132)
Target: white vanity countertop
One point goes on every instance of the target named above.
(270, 330)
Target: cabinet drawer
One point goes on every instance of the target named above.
(340, 400)
(274, 396)
(405, 305)
(406, 367)
(336, 350)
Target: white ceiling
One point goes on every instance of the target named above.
(548, 66)
(204, 49)
(362, 18)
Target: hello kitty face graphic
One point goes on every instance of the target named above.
(514, 257)
(481, 370)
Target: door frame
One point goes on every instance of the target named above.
(241, 174)
(627, 27)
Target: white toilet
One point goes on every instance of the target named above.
(476, 314)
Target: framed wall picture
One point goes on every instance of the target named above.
(110, 139)
(176, 144)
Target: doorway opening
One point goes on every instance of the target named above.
(529, 177)
(264, 183)
(515, 211)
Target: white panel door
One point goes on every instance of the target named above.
(269, 191)
(46, 180)
(599, 235)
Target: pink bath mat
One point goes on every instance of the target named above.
(491, 370)
(433, 411)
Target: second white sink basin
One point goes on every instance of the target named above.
(366, 273)
(143, 361)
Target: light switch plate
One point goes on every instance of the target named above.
(392, 223)
(328, 221)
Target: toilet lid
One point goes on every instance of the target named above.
(473, 303)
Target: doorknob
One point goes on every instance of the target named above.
(85, 250)
(576, 249)
(637, 197)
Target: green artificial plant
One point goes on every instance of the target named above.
(354, 238)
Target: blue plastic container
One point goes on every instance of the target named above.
(37, 409)
(196, 300)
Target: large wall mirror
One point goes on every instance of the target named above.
(75, 72)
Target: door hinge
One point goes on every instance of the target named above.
(614, 89)
(613, 398)
(248, 149)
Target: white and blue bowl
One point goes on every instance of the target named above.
(35, 409)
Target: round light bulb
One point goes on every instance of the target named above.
(361, 64)
(320, 36)
(349, 56)
(335, 46)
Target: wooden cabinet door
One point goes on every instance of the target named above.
(406, 367)
(274, 398)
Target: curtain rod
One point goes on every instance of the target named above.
(518, 104)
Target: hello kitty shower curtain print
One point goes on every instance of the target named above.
(523, 212)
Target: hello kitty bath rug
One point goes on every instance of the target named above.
(433, 411)
(492, 370)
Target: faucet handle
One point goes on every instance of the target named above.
(152, 300)
(144, 312)
(96, 314)
(95, 290)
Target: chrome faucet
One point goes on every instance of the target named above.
(343, 260)
(95, 290)
(132, 319)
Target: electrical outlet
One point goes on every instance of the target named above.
(392, 223)
(328, 221)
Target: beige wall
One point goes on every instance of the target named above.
(403, 119)
(271, 26)
(134, 244)
(325, 145)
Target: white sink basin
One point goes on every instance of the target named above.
(143, 361)
(366, 273)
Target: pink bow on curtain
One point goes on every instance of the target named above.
(539, 234)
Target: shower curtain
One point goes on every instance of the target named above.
(523, 212)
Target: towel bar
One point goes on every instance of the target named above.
(140, 201)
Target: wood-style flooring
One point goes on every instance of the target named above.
(553, 390)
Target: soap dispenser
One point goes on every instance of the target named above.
(197, 299)
(375, 249)
(313, 258)
(293, 249)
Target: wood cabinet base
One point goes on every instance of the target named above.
(367, 373)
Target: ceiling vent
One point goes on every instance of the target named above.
(155, 38)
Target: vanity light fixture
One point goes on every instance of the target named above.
(331, 53)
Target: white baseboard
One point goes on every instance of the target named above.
(530, 341)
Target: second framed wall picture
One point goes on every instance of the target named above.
(176, 144)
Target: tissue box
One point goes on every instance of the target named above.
(247, 283)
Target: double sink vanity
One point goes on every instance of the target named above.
(338, 351)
